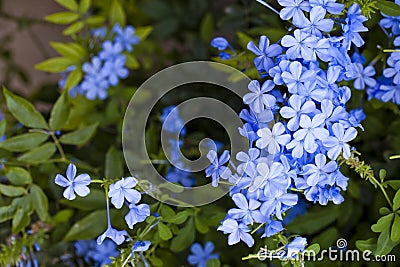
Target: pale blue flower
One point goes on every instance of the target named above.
(200, 256)
(123, 189)
(237, 231)
(78, 184)
(136, 214)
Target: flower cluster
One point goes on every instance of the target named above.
(98, 255)
(173, 123)
(200, 256)
(120, 192)
(123, 192)
(303, 93)
(107, 67)
(387, 87)
(222, 45)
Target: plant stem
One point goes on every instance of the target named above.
(258, 227)
(58, 145)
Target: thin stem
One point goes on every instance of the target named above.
(258, 228)
(390, 50)
(268, 5)
(395, 157)
(127, 259)
(96, 181)
(58, 145)
(108, 207)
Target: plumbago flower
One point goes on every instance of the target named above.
(72, 184)
(106, 68)
(296, 157)
(387, 86)
(200, 256)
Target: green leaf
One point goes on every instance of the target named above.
(62, 17)
(312, 222)
(60, 112)
(93, 201)
(179, 218)
(74, 77)
(114, 165)
(39, 202)
(6, 213)
(131, 61)
(176, 188)
(164, 232)
(11, 191)
(3, 125)
(382, 174)
(18, 176)
(201, 224)
(24, 111)
(84, 6)
(395, 233)
(20, 221)
(80, 136)
(388, 8)
(117, 14)
(143, 32)
(383, 223)
(384, 211)
(184, 238)
(23, 142)
(68, 50)
(74, 28)
(68, 4)
(369, 244)
(314, 247)
(243, 39)
(39, 154)
(90, 226)
(395, 184)
(55, 64)
(396, 200)
(63, 215)
(385, 244)
(213, 263)
(95, 21)
(207, 27)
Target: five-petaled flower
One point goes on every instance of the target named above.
(78, 184)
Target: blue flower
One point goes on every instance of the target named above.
(270, 179)
(100, 254)
(200, 256)
(78, 184)
(216, 169)
(390, 22)
(338, 142)
(117, 236)
(137, 213)
(220, 43)
(247, 209)
(237, 231)
(297, 108)
(110, 50)
(329, 5)
(183, 177)
(300, 45)
(258, 99)
(115, 69)
(293, 9)
(141, 246)
(249, 161)
(264, 53)
(296, 77)
(394, 71)
(297, 245)
(275, 204)
(317, 22)
(272, 227)
(311, 131)
(126, 37)
(318, 172)
(172, 121)
(390, 92)
(354, 25)
(273, 140)
(99, 32)
(123, 189)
